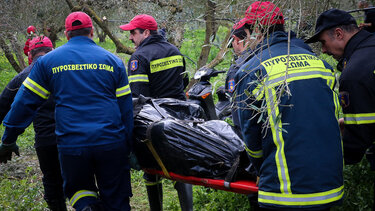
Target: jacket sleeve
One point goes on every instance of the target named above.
(250, 126)
(359, 118)
(9, 92)
(124, 100)
(29, 97)
(138, 72)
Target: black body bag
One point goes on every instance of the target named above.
(186, 143)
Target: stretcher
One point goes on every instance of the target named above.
(242, 186)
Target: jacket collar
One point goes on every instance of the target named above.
(80, 39)
(152, 39)
(275, 37)
(354, 43)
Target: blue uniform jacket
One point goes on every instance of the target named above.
(292, 134)
(91, 92)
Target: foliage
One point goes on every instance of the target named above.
(359, 187)
(211, 199)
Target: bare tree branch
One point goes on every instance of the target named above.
(9, 55)
(120, 48)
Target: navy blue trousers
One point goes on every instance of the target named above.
(98, 169)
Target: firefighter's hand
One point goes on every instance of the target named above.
(6, 151)
(341, 124)
(257, 182)
(363, 25)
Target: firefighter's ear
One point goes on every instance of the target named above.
(339, 33)
(146, 32)
(92, 32)
(67, 35)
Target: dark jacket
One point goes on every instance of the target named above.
(155, 69)
(44, 120)
(357, 91)
(230, 83)
(292, 135)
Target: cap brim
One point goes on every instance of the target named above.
(314, 38)
(127, 27)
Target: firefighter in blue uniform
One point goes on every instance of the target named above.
(340, 36)
(156, 70)
(292, 134)
(94, 117)
(44, 127)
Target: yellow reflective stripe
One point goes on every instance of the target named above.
(300, 75)
(80, 194)
(301, 199)
(138, 78)
(166, 63)
(258, 92)
(358, 119)
(254, 154)
(36, 88)
(276, 128)
(288, 68)
(125, 90)
(336, 101)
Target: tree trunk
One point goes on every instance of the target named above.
(174, 29)
(51, 32)
(17, 51)
(9, 55)
(120, 48)
(100, 33)
(219, 57)
(211, 28)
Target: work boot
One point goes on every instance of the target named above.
(155, 196)
(185, 195)
(56, 204)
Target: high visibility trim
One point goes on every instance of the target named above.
(294, 76)
(125, 90)
(276, 128)
(80, 194)
(138, 78)
(254, 154)
(36, 88)
(272, 81)
(166, 63)
(301, 199)
(358, 119)
(336, 101)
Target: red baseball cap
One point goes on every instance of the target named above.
(40, 41)
(141, 22)
(240, 24)
(77, 20)
(31, 29)
(265, 13)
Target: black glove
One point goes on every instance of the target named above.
(6, 151)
